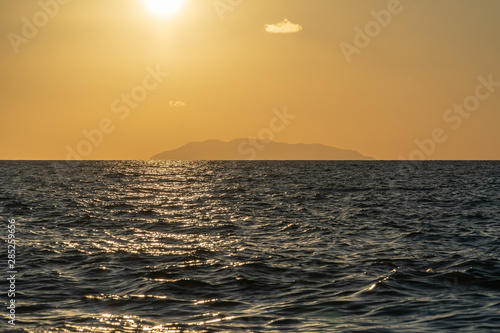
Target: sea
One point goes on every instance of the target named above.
(250, 246)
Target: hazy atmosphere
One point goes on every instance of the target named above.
(123, 79)
(250, 166)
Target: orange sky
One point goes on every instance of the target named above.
(89, 76)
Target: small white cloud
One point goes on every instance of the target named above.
(285, 27)
(177, 104)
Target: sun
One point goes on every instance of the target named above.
(163, 8)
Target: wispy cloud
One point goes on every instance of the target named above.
(285, 27)
(177, 104)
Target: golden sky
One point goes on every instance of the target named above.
(127, 79)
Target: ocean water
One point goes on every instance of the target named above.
(159, 246)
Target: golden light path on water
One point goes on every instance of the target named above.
(131, 323)
(153, 243)
(225, 247)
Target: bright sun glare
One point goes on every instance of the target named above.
(164, 8)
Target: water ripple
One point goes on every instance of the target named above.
(255, 246)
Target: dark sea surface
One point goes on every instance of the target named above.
(253, 246)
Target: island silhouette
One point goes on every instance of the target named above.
(255, 149)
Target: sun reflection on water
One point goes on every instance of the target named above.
(131, 323)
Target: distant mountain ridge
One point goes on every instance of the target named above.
(254, 149)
